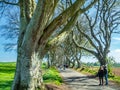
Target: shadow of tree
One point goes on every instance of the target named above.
(5, 84)
(7, 69)
(82, 79)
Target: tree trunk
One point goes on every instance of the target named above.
(102, 61)
(78, 64)
(28, 73)
(73, 63)
(48, 62)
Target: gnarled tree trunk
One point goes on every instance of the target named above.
(29, 73)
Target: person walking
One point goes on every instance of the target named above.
(106, 75)
(101, 75)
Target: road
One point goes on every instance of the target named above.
(78, 81)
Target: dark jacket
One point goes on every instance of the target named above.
(100, 73)
(105, 71)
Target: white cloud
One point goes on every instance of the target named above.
(116, 38)
(88, 59)
(116, 54)
(117, 51)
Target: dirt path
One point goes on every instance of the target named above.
(77, 81)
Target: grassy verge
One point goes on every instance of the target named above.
(88, 71)
(7, 71)
(6, 75)
(116, 79)
(52, 76)
(94, 71)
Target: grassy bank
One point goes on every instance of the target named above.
(52, 76)
(7, 70)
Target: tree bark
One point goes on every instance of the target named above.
(28, 72)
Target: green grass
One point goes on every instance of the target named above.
(52, 76)
(6, 75)
(115, 79)
(87, 70)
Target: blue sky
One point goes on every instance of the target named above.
(11, 56)
(6, 56)
(115, 47)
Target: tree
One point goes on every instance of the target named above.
(100, 29)
(36, 26)
(72, 52)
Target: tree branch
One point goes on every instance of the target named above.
(65, 32)
(6, 2)
(87, 37)
(63, 17)
(88, 50)
(92, 28)
(70, 24)
(90, 5)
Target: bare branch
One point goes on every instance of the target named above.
(6, 2)
(88, 50)
(87, 36)
(90, 5)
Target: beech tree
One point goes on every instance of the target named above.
(36, 26)
(72, 53)
(100, 28)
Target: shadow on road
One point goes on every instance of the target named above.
(78, 79)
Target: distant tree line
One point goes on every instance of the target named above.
(115, 64)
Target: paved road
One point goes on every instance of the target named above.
(77, 81)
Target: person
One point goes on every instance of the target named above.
(106, 75)
(64, 66)
(101, 75)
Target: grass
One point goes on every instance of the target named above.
(52, 76)
(7, 74)
(88, 70)
(116, 79)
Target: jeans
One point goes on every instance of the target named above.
(106, 79)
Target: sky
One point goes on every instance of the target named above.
(6, 56)
(12, 56)
(114, 50)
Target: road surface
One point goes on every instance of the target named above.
(77, 81)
